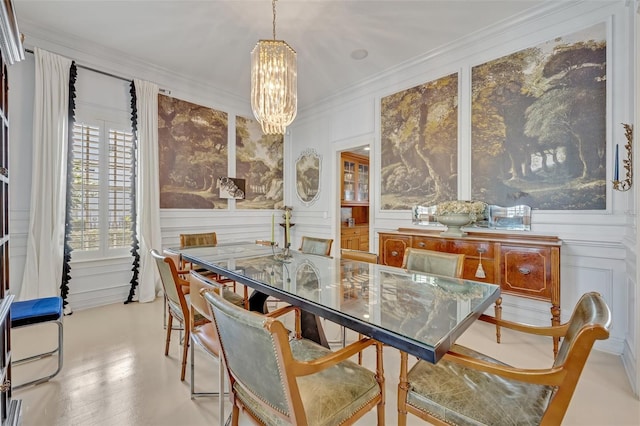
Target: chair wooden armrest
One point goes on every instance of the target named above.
(553, 331)
(282, 311)
(303, 368)
(545, 376)
(181, 281)
(184, 285)
(285, 310)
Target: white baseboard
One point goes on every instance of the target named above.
(631, 368)
(100, 297)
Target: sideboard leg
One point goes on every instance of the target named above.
(555, 320)
(498, 311)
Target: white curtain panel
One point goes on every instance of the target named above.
(45, 241)
(148, 189)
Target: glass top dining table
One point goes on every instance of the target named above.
(421, 314)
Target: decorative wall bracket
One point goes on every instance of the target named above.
(308, 176)
(625, 184)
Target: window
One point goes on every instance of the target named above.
(101, 189)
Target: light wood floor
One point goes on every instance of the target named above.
(115, 373)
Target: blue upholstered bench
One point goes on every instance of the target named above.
(38, 311)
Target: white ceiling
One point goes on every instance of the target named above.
(212, 40)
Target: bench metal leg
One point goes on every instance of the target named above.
(59, 350)
(220, 394)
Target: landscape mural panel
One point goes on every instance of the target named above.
(419, 144)
(193, 153)
(539, 125)
(259, 161)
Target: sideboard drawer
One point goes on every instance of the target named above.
(426, 243)
(472, 248)
(527, 271)
(349, 231)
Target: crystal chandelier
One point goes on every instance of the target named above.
(274, 83)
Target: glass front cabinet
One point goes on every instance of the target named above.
(9, 408)
(355, 180)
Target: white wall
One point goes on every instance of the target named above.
(596, 250)
(97, 283)
(599, 248)
(632, 349)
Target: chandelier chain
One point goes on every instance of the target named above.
(273, 5)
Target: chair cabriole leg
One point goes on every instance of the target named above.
(498, 314)
(380, 379)
(403, 388)
(192, 385)
(169, 326)
(235, 415)
(185, 350)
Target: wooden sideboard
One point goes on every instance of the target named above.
(521, 264)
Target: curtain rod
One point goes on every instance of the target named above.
(165, 91)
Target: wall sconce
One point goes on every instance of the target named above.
(624, 185)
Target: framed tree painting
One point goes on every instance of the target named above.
(539, 125)
(193, 154)
(419, 144)
(259, 162)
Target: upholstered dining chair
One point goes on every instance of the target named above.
(198, 240)
(177, 303)
(183, 273)
(467, 387)
(205, 239)
(312, 245)
(362, 256)
(434, 262)
(276, 378)
(204, 336)
(322, 247)
(177, 260)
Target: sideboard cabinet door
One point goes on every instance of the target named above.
(527, 271)
(392, 249)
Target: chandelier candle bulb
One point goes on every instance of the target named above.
(273, 225)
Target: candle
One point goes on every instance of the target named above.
(286, 227)
(616, 173)
(273, 224)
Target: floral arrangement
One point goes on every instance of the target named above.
(475, 209)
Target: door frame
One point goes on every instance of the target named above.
(348, 145)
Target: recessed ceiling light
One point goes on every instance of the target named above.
(359, 54)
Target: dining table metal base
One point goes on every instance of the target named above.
(309, 323)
